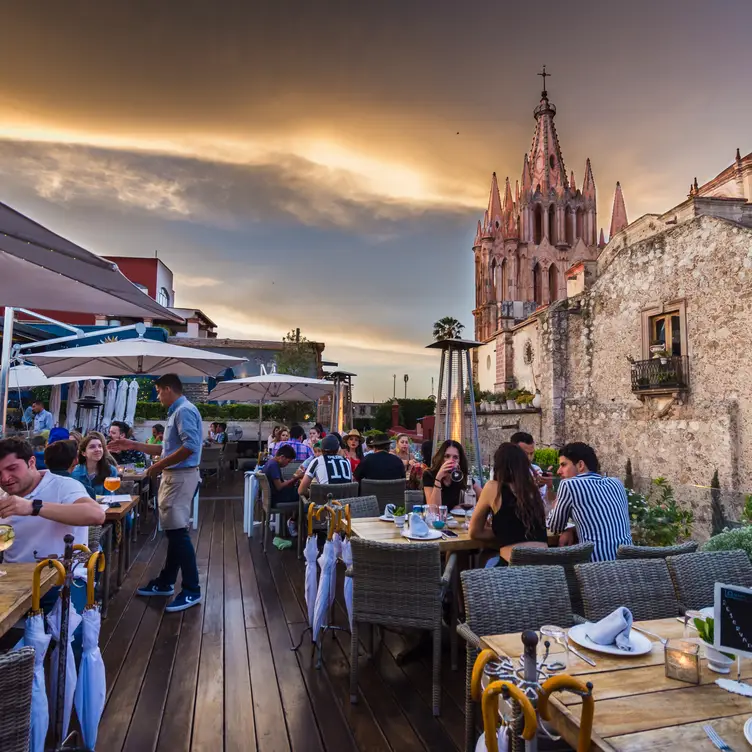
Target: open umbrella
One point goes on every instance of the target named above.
(55, 403)
(70, 415)
(130, 408)
(26, 377)
(109, 404)
(53, 621)
(91, 688)
(120, 400)
(128, 357)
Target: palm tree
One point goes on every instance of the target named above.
(447, 328)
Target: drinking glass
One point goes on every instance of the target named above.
(689, 617)
(432, 513)
(112, 484)
(443, 513)
(556, 636)
(467, 502)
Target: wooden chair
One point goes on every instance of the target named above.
(508, 599)
(655, 552)
(642, 585)
(694, 575)
(267, 509)
(398, 586)
(318, 493)
(363, 506)
(211, 458)
(16, 678)
(386, 491)
(566, 557)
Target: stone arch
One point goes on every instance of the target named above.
(537, 224)
(552, 233)
(553, 283)
(504, 280)
(537, 284)
(580, 223)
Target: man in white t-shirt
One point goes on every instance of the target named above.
(329, 468)
(42, 507)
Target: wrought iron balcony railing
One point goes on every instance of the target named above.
(660, 374)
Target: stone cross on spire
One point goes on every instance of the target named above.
(544, 75)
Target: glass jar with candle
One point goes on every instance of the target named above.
(682, 660)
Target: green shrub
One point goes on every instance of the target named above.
(409, 412)
(731, 540)
(747, 511)
(546, 458)
(657, 520)
(284, 412)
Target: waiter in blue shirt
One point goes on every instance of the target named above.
(180, 456)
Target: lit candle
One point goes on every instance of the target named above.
(682, 660)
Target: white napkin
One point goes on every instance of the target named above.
(612, 629)
(418, 527)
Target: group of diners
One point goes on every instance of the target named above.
(519, 506)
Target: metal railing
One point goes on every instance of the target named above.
(660, 373)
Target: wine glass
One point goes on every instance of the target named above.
(111, 485)
(559, 636)
(467, 502)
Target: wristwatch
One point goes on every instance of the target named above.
(36, 507)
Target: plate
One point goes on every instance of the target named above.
(459, 511)
(452, 523)
(386, 518)
(748, 730)
(432, 535)
(640, 643)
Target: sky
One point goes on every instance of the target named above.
(323, 165)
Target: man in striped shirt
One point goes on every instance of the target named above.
(596, 504)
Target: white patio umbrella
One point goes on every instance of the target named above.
(130, 357)
(35, 637)
(311, 553)
(347, 558)
(91, 688)
(72, 408)
(55, 403)
(130, 408)
(25, 377)
(327, 563)
(53, 621)
(109, 404)
(120, 400)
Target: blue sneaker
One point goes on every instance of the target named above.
(183, 600)
(155, 588)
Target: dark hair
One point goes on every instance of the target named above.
(297, 433)
(60, 455)
(21, 448)
(286, 451)
(38, 442)
(521, 438)
(319, 428)
(426, 451)
(103, 466)
(170, 381)
(578, 451)
(122, 425)
(223, 426)
(339, 438)
(38, 402)
(438, 458)
(158, 427)
(512, 468)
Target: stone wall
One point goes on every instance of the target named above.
(494, 428)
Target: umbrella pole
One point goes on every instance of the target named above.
(5, 367)
(261, 415)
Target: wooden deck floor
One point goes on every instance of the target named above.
(222, 676)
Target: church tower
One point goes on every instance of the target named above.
(525, 244)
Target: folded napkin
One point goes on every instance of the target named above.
(613, 629)
(418, 527)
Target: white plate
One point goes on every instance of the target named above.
(748, 730)
(639, 642)
(459, 511)
(708, 611)
(386, 518)
(452, 523)
(432, 535)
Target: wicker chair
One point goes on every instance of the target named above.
(655, 552)
(363, 506)
(398, 586)
(566, 557)
(211, 459)
(386, 491)
(413, 497)
(16, 677)
(318, 493)
(267, 509)
(642, 585)
(95, 533)
(508, 599)
(290, 469)
(694, 575)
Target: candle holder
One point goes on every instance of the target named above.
(682, 661)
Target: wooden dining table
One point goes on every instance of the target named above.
(637, 708)
(114, 537)
(15, 591)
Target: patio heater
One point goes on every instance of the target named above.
(86, 404)
(455, 400)
(342, 407)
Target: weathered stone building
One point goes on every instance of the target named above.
(649, 357)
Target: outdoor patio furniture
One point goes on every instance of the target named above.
(290, 469)
(386, 491)
(230, 456)
(267, 509)
(566, 557)
(413, 497)
(211, 457)
(16, 676)
(655, 552)
(694, 575)
(399, 586)
(508, 599)
(363, 506)
(642, 585)
(318, 493)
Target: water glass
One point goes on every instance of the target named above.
(432, 513)
(443, 513)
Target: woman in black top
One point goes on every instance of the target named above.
(438, 486)
(513, 502)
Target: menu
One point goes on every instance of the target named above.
(733, 619)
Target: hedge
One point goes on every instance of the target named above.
(276, 412)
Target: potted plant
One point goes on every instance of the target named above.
(656, 346)
(522, 398)
(717, 661)
(399, 517)
(662, 355)
(512, 399)
(536, 403)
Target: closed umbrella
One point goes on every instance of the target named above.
(55, 403)
(53, 621)
(130, 409)
(311, 553)
(35, 637)
(70, 417)
(109, 404)
(327, 564)
(120, 400)
(347, 558)
(337, 543)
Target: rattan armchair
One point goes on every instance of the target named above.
(508, 599)
(655, 552)
(363, 506)
(16, 678)
(211, 460)
(566, 557)
(694, 575)
(386, 491)
(642, 585)
(413, 497)
(290, 469)
(267, 509)
(399, 586)
(318, 493)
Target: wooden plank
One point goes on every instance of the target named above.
(240, 733)
(208, 724)
(15, 591)
(271, 733)
(372, 528)
(252, 609)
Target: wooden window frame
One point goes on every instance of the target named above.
(660, 309)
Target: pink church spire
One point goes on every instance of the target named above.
(546, 162)
(494, 202)
(619, 213)
(527, 181)
(601, 240)
(572, 184)
(510, 220)
(588, 185)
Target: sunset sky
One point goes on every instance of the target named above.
(323, 165)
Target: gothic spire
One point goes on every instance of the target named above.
(494, 202)
(619, 213)
(601, 240)
(509, 213)
(572, 184)
(527, 180)
(546, 163)
(588, 185)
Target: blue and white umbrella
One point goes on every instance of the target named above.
(91, 688)
(53, 621)
(35, 637)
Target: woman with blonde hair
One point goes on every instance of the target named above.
(282, 435)
(403, 450)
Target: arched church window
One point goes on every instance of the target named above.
(538, 224)
(553, 282)
(552, 235)
(493, 279)
(580, 223)
(505, 295)
(537, 285)
(569, 228)
(551, 161)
